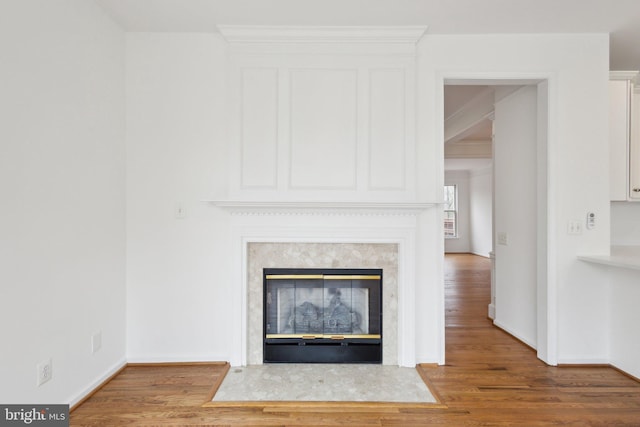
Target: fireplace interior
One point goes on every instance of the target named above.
(322, 315)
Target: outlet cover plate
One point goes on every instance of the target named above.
(44, 371)
(96, 342)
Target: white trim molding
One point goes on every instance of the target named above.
(322, 227)
(547, 306)
(624, 75)
(242, 207)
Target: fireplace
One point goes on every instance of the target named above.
(322, 239)
(322, 315)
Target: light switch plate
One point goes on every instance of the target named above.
(503, 238)
(574, 227)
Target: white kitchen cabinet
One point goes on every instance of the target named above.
(634, 147)
(623, 138)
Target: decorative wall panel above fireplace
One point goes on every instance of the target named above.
(337, 123)
(323, 315)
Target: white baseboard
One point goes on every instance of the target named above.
(427, 361)
(176, 359)
(510, 332)
(484, 255)
(587, 361)
(492, 311)
(97, 382)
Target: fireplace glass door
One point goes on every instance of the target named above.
(333, 307)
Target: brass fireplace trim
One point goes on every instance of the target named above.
(323, 336)
(322, 276)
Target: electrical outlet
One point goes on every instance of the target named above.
(44, 371)
(96, 342)
(179, 211)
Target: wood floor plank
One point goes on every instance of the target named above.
(489, 379)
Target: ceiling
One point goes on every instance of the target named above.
(619, 18)
(457, 96)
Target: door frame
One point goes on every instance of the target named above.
(547, 319)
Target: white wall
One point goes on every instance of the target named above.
(474, 211)
(462, 243)
(480, 206)
(188, 121)
(515, 147)
(624, 344)
(578, 124)
(62, 244)
(177, 115)
(625, 223)
(177, 268)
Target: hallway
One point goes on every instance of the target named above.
(495, 378)
(472, 341)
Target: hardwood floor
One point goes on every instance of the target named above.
(489, 379)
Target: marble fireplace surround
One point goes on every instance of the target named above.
(323, 255)
(350, 236)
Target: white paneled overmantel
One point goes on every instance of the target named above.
(322, 113)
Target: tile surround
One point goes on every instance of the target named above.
(323, 255)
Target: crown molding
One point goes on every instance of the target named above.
(321, 34)
(623, 75)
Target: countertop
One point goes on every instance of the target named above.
(620, 256)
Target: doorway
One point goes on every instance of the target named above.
(505, 124)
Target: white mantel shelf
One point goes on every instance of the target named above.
(322, 208)
(621, 256)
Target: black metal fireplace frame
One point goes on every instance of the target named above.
(325, 349)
